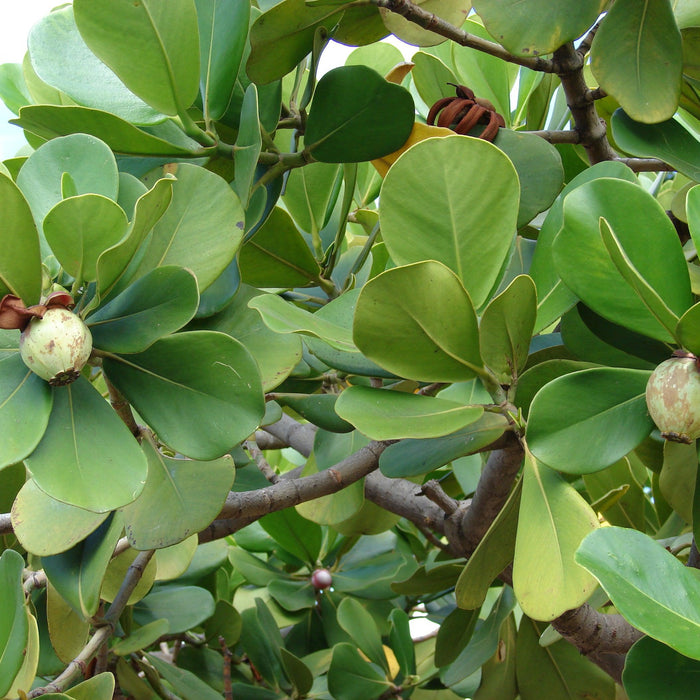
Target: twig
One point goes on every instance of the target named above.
(693, 556)
(263, 465)
(555, 136)
(122, 407)
(427, 20)
(646, 165)
(6, 524)
(585, 46)
(228, 689)
(437, 495)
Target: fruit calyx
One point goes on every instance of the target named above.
(673, 397)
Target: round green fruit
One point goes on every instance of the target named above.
(673, 398)
(57, 346)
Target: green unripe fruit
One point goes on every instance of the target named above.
(673, 398)
(57, 346)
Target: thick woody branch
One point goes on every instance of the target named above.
(300, 436)
(240, 509)
(604, 639)
(5, 524)
(427, 20)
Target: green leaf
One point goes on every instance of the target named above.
(310, 195)
(20, 265)
(153, 46)
(25, 407)
(451, 11)
(645, 234)
(158, 304)
(537, 27)
(148, 209)
(281, 37)
(624, 58)
(562, 672)
(418, 322)
(276, 354)
(14, 624)
(68, 629)
(297, 671)
(86, 446)
(350, 677)
(184, 607)
(199, 391)
(248, 145)
(79, 229)
(176, 501)
(201, 229)
(454, 634)
(654, 670)
(46, 526)
(390, 415)
(79, 73)
(415, 457)
(283, 317)
(506, 328)
(603, 408)
(659, 598)
(553, 520)
(99, 687)
(669, 141)
(362, 628)
(262, 641)
(88, 161)
(50, 121)
(295, 534)
(186, 684)
(492, 555)
(277, 255)
(554, 298)
(77, 573)
(356, 115)
(318, 409)
(457, 220)
(223, 30)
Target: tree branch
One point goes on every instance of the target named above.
(6, 524)
(427, 20)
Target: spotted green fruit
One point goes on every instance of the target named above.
(57, 346)
(673, 398)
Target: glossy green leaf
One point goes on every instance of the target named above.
(22, 394)
(85, 446)
(50, 121)
(654, 670)
(13, 90)
(659, 598)
(277, 255)
(79, 229)
(537, 27)
(14, 623)
(498, 673)
(506, 328)
(261, 638)
(20, 265)
(552, 521)
(199, 391)
(225, 622)
(79, 73)
(381, 56)
(678, 477)
(492, 555)
(45, 526)
(362, 628)
(297, 671)
(561, 672)
(350, 677)
(692, 204)
(295, 534)
(645, 234)
(415, 457)
(276, 354)
(456, 220)
(454, 634)
(223, 26)
(177, 500)
(318, 409)
(173, 561)
(624, 58)
(390, 415)
(183, 606)
(431, 77)
(356, 115)
(553, 297)
(603, 408)
(283, 317)
(248, 145)
(112, 264)
(77, 573)
(99, 687)
(152, 46)
(539, 169)
(281, 37)
(188, 685)
(417, 321)
(668, 140)
(452, 11)
(201, 229)
(89, 162)
(158, 304)
(310, 194)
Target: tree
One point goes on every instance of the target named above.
(287, 362)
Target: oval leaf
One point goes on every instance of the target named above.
(14, 624)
